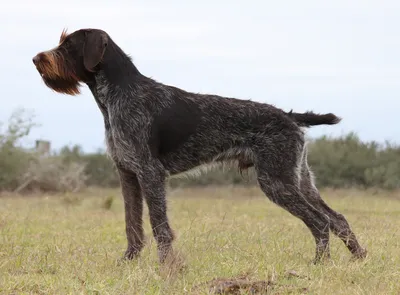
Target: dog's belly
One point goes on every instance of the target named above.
(179, 162)
(202, 159)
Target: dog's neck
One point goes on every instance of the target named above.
(116, 72)
(102, 89)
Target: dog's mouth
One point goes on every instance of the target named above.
(66, 85)
(40, 71)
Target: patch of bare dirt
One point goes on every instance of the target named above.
(244, 285)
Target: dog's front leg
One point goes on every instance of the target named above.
(133, 202)
(152, 182)
(132, 152)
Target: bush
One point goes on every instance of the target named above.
(14, 160)
(348, 162)
(53, 175)
(23, 170)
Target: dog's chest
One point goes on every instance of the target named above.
(108, 133)
(101, 95)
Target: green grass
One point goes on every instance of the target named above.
(70, 244)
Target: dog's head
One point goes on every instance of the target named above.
(73, 61)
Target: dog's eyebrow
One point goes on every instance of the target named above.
(63, 36)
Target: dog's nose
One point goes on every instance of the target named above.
(35, 59)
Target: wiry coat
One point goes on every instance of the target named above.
(155, 130)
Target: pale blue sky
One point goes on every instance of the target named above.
(327, 56)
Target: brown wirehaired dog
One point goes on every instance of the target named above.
(154, 131)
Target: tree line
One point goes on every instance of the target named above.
(337, 162)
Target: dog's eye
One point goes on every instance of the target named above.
(65, 44)
(68, 43)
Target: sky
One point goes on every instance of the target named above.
(327, 56)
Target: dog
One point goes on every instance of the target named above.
(154, 131)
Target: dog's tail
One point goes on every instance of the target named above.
(308, 119)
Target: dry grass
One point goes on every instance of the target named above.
(227, 239)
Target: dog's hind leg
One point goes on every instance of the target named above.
(278, 178)
(338, 223)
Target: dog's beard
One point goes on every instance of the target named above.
(56, 75)
(65, 86)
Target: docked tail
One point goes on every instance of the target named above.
(308, 119)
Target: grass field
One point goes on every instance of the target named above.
(70, 244)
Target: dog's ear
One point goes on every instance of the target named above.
(94, 48)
